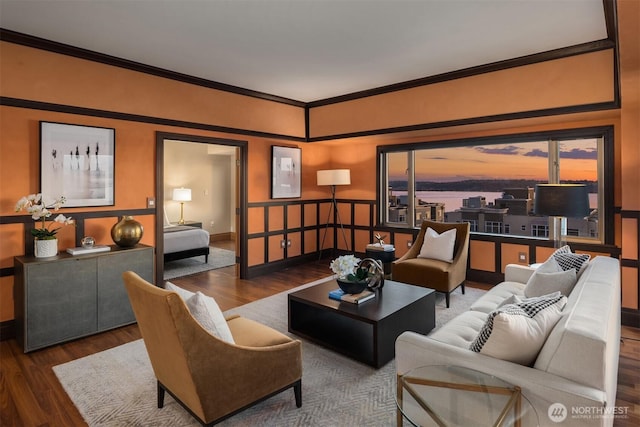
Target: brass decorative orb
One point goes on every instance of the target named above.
(127, 232)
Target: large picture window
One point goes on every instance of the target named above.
(490, 182)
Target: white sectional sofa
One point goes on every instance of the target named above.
(577, 365)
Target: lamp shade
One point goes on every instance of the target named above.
(568, 200)
(334, 177)
(182, 194)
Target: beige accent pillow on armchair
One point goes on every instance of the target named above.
(438, 246)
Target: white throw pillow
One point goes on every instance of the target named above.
(549, 266)
(184, 294)
(438, 246)
(513, 299)
(206, 311)
(545, 283)
(517, 332)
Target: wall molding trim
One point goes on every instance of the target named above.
(89, 55)
(91, 112)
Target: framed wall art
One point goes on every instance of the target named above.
(285, 172)
(77, 162)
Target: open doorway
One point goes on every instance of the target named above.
(201, 191)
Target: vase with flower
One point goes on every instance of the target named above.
(354, 274)
(350, 279)
(45, 240)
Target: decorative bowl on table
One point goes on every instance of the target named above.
(352, 287)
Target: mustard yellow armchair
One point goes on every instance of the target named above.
(211, 378)
(433, 273)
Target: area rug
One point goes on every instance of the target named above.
(218, 258)
(117, 387)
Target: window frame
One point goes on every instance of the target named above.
(605, 171)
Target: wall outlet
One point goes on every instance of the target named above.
(409, 243)
(151, 202)
(522, 257)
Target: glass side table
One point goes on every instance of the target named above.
(441, 395)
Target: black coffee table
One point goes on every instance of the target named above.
(366, 332)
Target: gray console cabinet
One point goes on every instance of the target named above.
(67, 297)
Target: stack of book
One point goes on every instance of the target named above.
(339, 295)
(89, 250)
(379, 247)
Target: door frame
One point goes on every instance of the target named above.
(241, 202)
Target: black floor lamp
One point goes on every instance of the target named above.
(334, 177)
(560, 201)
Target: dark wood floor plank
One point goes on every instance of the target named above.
(21, 392)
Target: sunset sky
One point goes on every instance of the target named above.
(578, 161)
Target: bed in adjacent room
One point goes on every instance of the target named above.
(182, 241)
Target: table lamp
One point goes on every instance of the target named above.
(182, 195)
(560, 201)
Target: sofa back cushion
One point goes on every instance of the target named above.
(584, 344)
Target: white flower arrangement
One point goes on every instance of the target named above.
(345, 265)
(40, 211)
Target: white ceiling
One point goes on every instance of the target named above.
(309, 50)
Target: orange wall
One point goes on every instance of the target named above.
(575, 80)
(38, 75)
(629, 34)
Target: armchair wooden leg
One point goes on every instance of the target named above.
(297, 391)
(462, 285)
(160, 395)
(446, 297)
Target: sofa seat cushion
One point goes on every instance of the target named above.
(496, 295)
(461, 330)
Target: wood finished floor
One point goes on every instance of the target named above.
(30, 394)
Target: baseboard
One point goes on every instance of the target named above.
(7, 330)
(630, 317)
(222, 237)
(272, 267)
(489, 277)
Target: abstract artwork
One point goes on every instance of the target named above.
(77, 162)
(285, 172)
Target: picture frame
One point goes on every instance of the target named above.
(286, 168)
(77, 162)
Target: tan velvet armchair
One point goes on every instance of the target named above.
(431, 273)
(210, 378)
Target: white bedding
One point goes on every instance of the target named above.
(181, 238)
